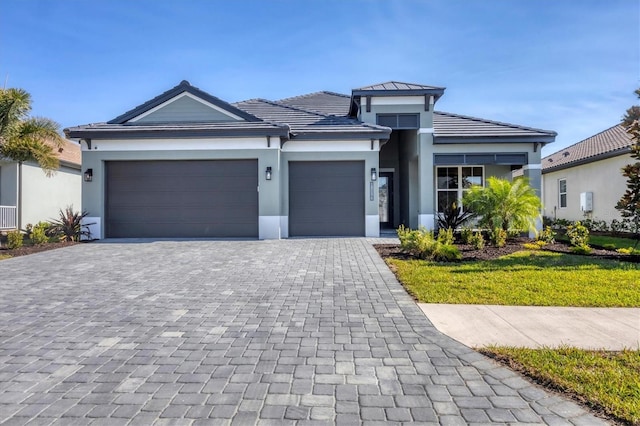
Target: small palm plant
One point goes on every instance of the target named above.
(68, 227)
(512, 206)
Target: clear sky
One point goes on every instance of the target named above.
(564, 65)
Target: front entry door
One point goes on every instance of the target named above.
(385, 199)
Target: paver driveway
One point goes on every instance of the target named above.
(242, 332)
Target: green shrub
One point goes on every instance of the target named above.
(581, 249)
(531, 246)
(477, 240)
(14, 239)
(628, 250)
(498, 237)
(68, 227)
(445, 236)
(421, 243)
(465, 235)
(609, 246)
(594, 225)
(547, 235)
(578, 235)
(38, 233)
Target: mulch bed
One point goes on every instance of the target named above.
(25, 250)
(490, 252)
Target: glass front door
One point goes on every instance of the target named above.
(385, 199)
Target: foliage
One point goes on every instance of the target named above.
(498, 237)
(620, 226)
(68, 226)
(594, 225)
(38, 233)
(605, 380)
(465, 235)
(628, 250)
(581, 249)
(511, 206)
(629, 204)
(445, 236)
(14, 239)
(477, 240)
(632, 114)
(547, 235)
(422, 243)
(24, 138)
(527, 278)
(578, 235)
(453, 217)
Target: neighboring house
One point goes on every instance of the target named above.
(187, 164)
(28, 195)
(585, 180)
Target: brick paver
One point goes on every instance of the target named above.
(313, 331)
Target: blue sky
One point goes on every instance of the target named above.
(568, 66)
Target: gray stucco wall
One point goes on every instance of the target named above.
(185, 109)
(8, 184)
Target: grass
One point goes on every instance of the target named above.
(606, 381)
(526, 278)
(605, 241)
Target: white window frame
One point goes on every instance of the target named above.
(460, 190)
(560, 194)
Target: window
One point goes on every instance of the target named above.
(562, 191)
(453, 181)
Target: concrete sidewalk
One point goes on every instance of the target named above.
(535, 326)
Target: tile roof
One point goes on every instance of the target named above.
(448, 125)
(328, 103)
(608, 143)
(304, 122)
(70, 153)
(398, 85)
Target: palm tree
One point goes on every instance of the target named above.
(24, 138)
(511, 206)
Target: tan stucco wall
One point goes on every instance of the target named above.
(603, 178)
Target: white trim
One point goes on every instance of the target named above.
(372, 225)
(94, 225)
(532, 167)
(427, 220)
(396, 100)
(425, 130)
(186, 144)
(269, 227)
(180, 96)
(330, 146)
(284, 226)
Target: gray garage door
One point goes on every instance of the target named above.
(182, 199)
(326, 198)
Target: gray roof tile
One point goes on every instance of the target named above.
(448, 125)
(398, 85)
(608, 143)
(328, 103)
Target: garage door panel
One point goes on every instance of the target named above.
(202, 198)
(326, 198)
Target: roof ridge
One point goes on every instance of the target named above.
(586, 139)
(501, 123)
(306, 95)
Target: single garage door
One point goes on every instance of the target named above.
(326, 198)
(174, 199)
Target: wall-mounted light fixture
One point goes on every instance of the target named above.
(88, 175)
(374, 174)
(267, 173)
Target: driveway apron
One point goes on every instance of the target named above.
(302, 331)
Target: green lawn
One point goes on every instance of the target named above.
(526, 278)
(609, 381)
(605, 240)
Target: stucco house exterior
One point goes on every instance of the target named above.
(585, 180)
(28, 195)
(188, 164)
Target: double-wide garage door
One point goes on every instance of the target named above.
(172, 199)
(326, 198)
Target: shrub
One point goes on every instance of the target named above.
(531, 246)
(14, 239)
(609, 246)
(498, 237)
(465, 235)
(547, 235)
(581, 249)
(68, 227)
(423, 244)
(594, 225)
(453, 217)
(477, 240)
(445, 236)
(619, 226)
(38, 233)
(578, 235)
(628, 250)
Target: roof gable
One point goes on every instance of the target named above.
(608, 143)
(183, 103)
